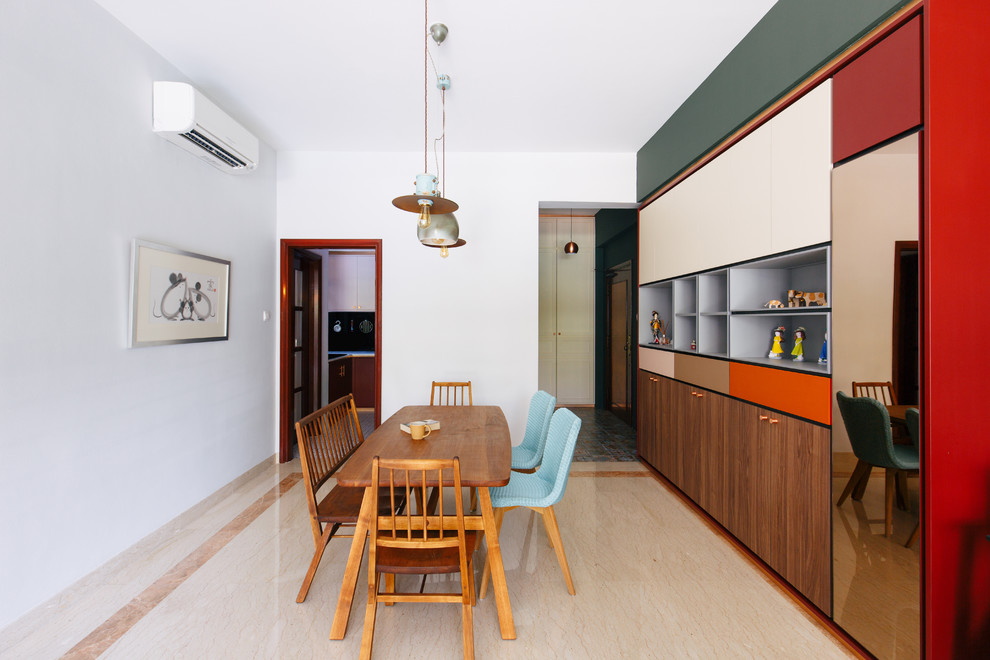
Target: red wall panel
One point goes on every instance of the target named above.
(878, 95)
(956, 238)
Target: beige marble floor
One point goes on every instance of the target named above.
(653, 581)
(877, 586)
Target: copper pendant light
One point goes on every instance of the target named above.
(571, 247)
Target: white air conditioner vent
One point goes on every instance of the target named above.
(186, 118)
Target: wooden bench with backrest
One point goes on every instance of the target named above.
(327, 438)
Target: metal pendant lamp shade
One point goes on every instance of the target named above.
(571, 247)
(443, 232)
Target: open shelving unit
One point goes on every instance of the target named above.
(725, 310)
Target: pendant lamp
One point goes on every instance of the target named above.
(571, 247)
(437, 226)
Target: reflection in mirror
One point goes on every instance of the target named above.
(875, 294)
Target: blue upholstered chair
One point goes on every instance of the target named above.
(542, 489)
(527, 455)
(868, 427)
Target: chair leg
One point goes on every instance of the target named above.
(914, 536)
(553, 531)
(474, 596)
(369, 618)
(902, 490)
(389, 586)
(487, 572)
(467, 621)
(890, 479)
(860, 472)
(863, 482)
(474, 498)
(315, 563)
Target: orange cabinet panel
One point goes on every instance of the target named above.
(802, 395)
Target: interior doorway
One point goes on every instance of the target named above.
(619, 346)
(296, 367)
(906, 357)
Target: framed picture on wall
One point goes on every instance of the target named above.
(177, 296)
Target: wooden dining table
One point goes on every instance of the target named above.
(898, 413)
(479, 437)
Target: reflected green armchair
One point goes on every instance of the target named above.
(868, 427)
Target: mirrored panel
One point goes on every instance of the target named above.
(875, 323)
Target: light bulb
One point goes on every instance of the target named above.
(443, 251)
(424, 216)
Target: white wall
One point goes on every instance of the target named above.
(103, 444)
(472, 316)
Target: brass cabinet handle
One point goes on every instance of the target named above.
(764, 418)
(775, 421)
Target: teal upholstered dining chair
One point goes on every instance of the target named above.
(528, 454)
(868, 427)
(542, 489)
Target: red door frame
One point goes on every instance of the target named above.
(956, 486)
(285, 271)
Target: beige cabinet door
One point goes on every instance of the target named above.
(365, 282)
(567, 310)
(718, 215)
(341, 282)
(547, 338)
(801, 169)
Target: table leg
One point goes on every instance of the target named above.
(354, 559)
(498, 570)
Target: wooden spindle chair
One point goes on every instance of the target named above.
(881, 391)
(424, 543)
(451, 394)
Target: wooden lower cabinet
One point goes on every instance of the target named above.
(763, 475)
(363, 373)
(340, 380)
(648, 418)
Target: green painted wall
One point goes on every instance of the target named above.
(794, 39)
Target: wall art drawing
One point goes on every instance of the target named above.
(177, 296)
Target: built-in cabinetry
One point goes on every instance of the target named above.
(350, 281)
(353, 375)
(767, 193)
(567, 310)
(725, 312)
(763, 475)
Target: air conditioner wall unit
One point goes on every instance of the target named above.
(183, 116)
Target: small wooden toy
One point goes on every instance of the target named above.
(774, 304)
(797, 298)
(823, 356)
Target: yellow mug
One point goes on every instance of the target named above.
(419, 431)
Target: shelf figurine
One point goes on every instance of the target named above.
(823, 356)
(656, 325)
(798, 350)
(694, 345)
(776, 351)
(774, 304)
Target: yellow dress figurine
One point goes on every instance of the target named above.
(798, 350)
(776, 351)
